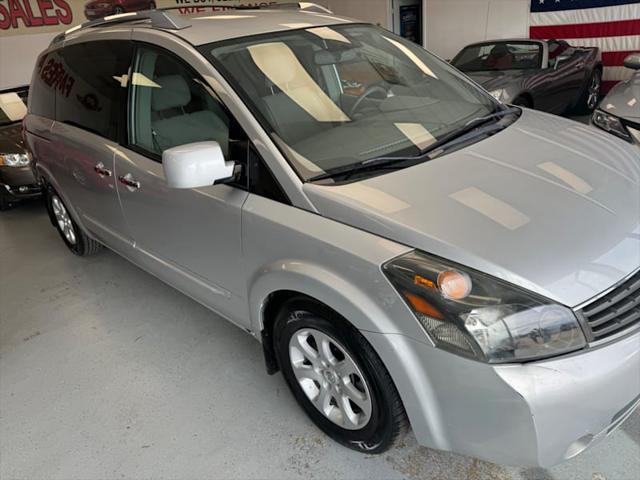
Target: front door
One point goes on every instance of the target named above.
(191, 238)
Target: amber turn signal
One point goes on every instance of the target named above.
(420, 305)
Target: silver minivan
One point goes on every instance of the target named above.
(408, 250)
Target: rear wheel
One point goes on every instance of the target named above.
(337, 378)
(591, 94)
(117, 10)
(75, 239)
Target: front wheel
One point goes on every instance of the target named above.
(337, 378)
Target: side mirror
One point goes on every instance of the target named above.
(196, 165)
(561, 59)
(633, 61)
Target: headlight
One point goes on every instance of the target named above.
(610, 124)
(498, 94)
(473, 314)
(14, 159)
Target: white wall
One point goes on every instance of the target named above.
(373, 11)
(453, 24)
(18, 54)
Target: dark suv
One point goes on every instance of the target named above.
(17, 181)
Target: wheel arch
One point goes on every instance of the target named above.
(48, 182)
(528, 96)
(284, 280)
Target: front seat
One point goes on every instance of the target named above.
(172, 125)
(500, 57)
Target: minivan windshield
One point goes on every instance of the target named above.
(333, 97)
(13, 105)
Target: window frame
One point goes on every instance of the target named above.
(235, 127)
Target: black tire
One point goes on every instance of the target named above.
(523, 102)
(586, 103)
(117, 10)
(83, 245)
(388, 421)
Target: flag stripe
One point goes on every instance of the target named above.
(615, 59)
(588, 30)
(552, 5)
(589, 15)
(608, 44)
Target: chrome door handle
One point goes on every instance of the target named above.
(128, 180)
(102, 171)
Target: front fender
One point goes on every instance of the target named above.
(326, 286)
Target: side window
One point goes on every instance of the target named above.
(45, 81)
(171, 106)
(91, 86)
(261, 180)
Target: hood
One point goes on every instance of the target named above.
(507, 79)
(624, 99)
(11, 138)
(547, 204)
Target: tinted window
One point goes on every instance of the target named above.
(172, 106)
(44, 83)
(92, 83)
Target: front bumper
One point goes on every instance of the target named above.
(18, 183)
(534, 414)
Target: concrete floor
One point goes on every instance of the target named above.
(107, 373)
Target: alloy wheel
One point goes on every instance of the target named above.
(64, 220)
(330, 378)
(594, 91)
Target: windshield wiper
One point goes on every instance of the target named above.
(469, 127)
(438, 147)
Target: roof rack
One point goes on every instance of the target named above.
(157, 18)
(302, 6)
(163, 18)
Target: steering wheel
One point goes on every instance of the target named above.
(372, 89)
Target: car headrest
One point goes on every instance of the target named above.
(173, 93)
(499, 50)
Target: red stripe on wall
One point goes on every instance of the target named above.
(615, 59)
(587, 30)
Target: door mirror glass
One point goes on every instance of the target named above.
(561, 59)
(633, 61)
(196, 165)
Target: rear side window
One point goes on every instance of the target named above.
(95, 87)
(47, 78)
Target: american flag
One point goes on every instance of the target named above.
(611, 25)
